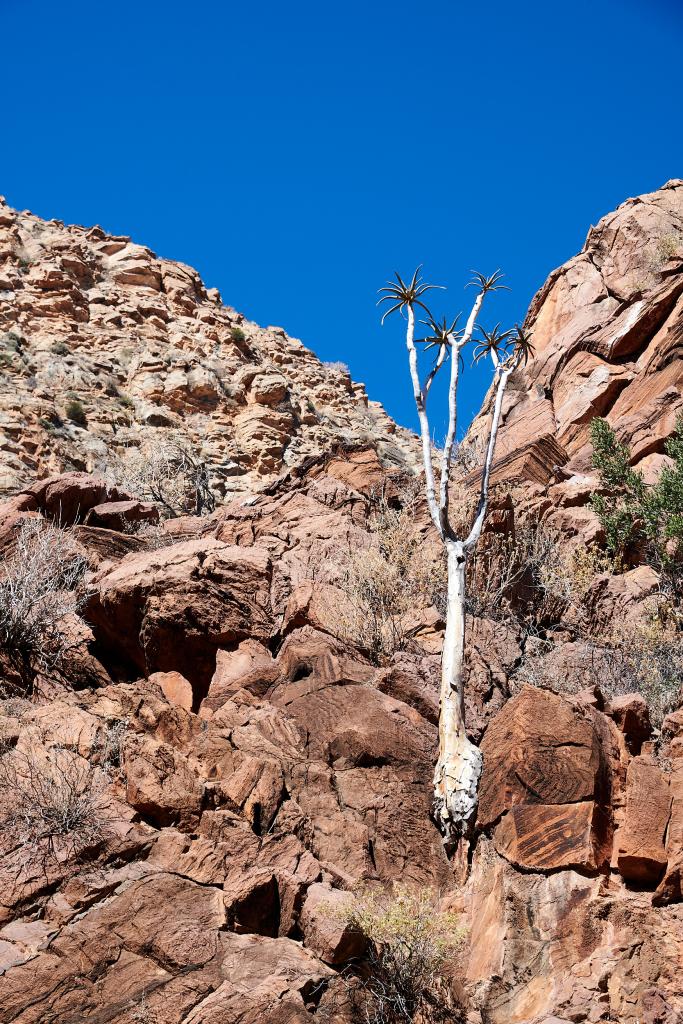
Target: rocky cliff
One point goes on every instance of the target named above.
(238, 763)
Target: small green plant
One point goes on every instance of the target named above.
(126, 401)
(75, 412)
(11, 340)
(60, 348)
(238, 335)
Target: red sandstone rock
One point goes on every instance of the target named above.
(116, 515)
(173, 608)
(69, 498)
(632, 716)
(325, 926)
(551, 836)
(539, 750)
(174, 687)
(641, 855)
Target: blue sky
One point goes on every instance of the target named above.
(297, 153)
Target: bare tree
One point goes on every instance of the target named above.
(457, 771)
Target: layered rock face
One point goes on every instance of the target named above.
(239, 765)
(607, 329)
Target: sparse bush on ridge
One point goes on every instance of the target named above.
(39, 586)
(336, 366)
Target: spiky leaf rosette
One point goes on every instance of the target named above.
(492, 343)
(487, 284)
(403, 294)
(522, 348)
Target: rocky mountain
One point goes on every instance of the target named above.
(137, 344)
(192, 796)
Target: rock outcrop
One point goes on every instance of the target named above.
(103, 343)
(608, 338)
(237, 763)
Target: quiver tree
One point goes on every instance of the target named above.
(457, 771)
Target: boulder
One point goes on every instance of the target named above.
(541, 749)
(632, 716)
(172, 609)
(641, 854)
(69, 497)
(175, 688)
(117, 515)
(324, 922)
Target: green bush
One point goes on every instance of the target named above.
(60, 348)
(237, 334)
(75, 412)
(411, 950)
(633, 512)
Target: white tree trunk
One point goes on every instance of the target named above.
(456, 776)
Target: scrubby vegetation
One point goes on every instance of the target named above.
(169, 471)
(51, 803)
(412, 945)
(39, 587)
(389, 577)
(75, 412)
(634, 513)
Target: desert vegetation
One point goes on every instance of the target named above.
(40, 586)
(411, 953)
(390, 576)
(51, 802)
(170, 471)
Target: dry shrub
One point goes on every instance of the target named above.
(51, 803)
(647, 658)
(507, 572)
(152, 535)
(412, 946)
(110, 747)
(643, 657)
(168, 471)
(142, 1012)
(567, 574)
(39, 586)
(389, 578)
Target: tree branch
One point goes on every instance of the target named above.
(447, 455)
(420, 397)
(475, 532)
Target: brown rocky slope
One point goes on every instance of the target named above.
(245, 763)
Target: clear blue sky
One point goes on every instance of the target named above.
(297, 153)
